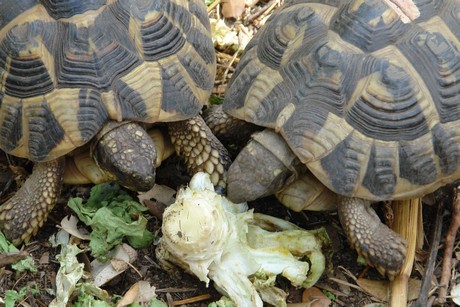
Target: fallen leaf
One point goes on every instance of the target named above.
(119, 265)
(161, 193)
(156, 208)
(380, 288)
(232, 8)
(376, 288)
(45, 258)
(314, 297)
(10, 258)
(140, 292)
(455, 293)
(69, 224)
(121, 257)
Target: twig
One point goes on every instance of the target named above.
(213, 5)
(10, 258)
(448, 249)
(175, 290)
(235, 56)
(191, 300)
(406, 9)
(262, 10)
(227, 57)
(431, 261)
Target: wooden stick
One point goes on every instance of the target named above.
(266, 8)
(213, 5)
(406, 9)
(192, 300)
(406, 223)
(422, 299)
(448, 249)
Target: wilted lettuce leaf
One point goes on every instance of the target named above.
(113, 215)
(89, 296)
(70, 279)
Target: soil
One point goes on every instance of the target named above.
(178, 286)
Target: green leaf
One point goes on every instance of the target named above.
(154, 302)
(329, 294)
(113, 215)
(89, 297)
(21, 265)
(12, 296)
(6, 246)
(214, 99)
(27, 264)
(143, 241)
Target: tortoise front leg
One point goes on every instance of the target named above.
(202, 151)
(24, 213)
(382, 248)
(228, 129)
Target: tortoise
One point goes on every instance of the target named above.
(352, 100)
(93, 78)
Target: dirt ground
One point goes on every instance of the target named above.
(182, 289)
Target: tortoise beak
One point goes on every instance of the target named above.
(139, 177)
(127, 153)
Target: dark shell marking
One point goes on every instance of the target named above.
(67, 67)
(370, 104)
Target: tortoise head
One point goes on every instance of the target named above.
(127, 154)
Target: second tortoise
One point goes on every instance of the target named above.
(349, 95)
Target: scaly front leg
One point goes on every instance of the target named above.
(202, 151)
(24, 213)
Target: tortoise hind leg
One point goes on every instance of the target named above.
(382, 248)
(24, 213)
(202, 151)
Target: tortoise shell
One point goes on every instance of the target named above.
(370, 104)
(68, 67)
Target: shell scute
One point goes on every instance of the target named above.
(80, 64)
(368, 103)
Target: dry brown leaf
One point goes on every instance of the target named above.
(232, 8)
(45, 258)
(121, 257)
(159, 192)
(69, 224)
(156, 208)
(376, 288)
(10, 258)
(157, 199)
(119, 265)
(414, 289)
(380, 288)
(138, 293)
(314, 297)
